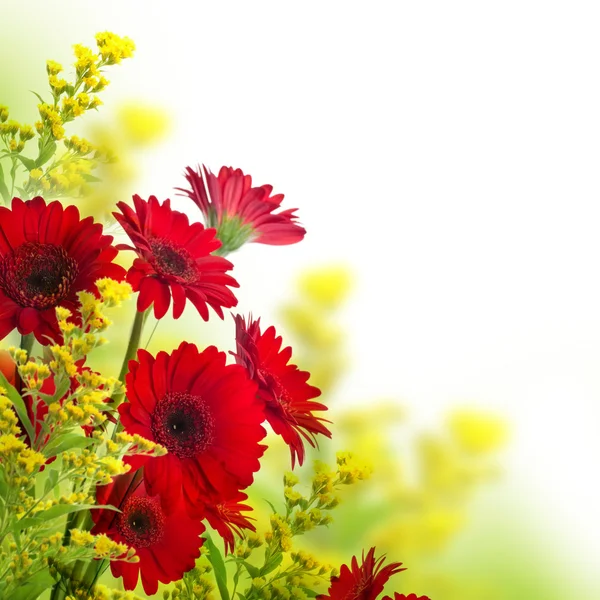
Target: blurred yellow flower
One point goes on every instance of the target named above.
(327, 286)
(477, 432)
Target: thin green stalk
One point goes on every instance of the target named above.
(132, 348)
(27, 342)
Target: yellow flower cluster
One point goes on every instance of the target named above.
(113, 48)
(19, 461)
(195, 584)
(51, 171)
(350, 469)
(9, 131)
(280, 535)
(8, 418)
(103, 546)
(89, 467)
(139, 445)
(51, 120)
(113, 292)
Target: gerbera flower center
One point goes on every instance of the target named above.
(275, 387)
(142, 522)
(183, 424)
(37, 275)
(171, 260)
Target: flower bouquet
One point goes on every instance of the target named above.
(140, 479)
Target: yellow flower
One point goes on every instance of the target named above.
(478, 432)
(326, 286)
(143, 124)
(113, 48)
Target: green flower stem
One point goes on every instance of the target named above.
(132, 348)
(27, 342)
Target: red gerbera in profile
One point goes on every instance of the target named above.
(225, 516)
(364, 582)
(47, 255)
(167, 543)
(174, 259)
(241, 213)
(398, 596)
(282, 386)
(207, 416)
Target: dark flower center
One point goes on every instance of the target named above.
(183, 424)
(37, 275)
(171, 260)
(142, 522)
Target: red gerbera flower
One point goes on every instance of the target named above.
(225, 516)
(174, 259)
(206, 414)
(282, 386)
(47, 255)
(398, 596)
(364, 582)
(241, 213)
(167, 543)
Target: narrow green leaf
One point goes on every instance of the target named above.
(273, 563)
(19, 405)
(33, 587)
(46, 153)
(90, 178)
(59, 510)
(62, 387)
(3, 189)
(51, 481)
(68, 441)
(252, 570)
(216, 560)
(310, 593)
(54, 512)
(38, 97)
(28, 163)
(271, 505)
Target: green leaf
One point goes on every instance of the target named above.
(271, 505)
(3, 484)
(273, 563)
(252, 570)
(67, 441)
(51, 481)
(54, 512)
(310, 593)
(27, 162)
(3, 189)
(216, 560)
(59, 510)
(33, 587)
(90, 178)
(19, 405)
(46, 153)
(38, 97)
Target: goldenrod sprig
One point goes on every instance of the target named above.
(64, 172)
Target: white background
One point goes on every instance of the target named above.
(449, 152)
